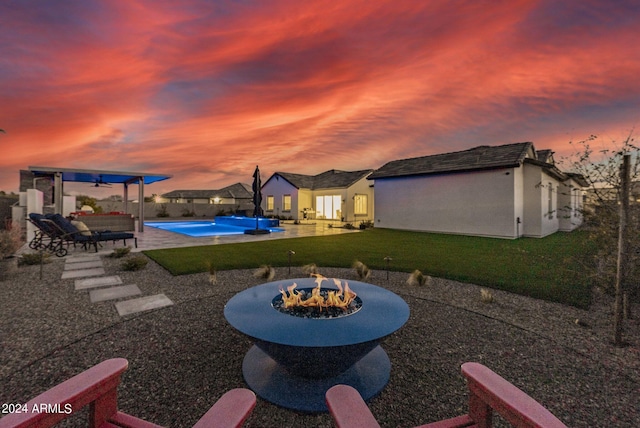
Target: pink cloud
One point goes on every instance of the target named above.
(208, 89)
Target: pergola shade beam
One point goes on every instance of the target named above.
(60, 175)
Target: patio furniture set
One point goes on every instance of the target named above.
(54, 233)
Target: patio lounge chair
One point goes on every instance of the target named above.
(97, 388)
(47, 236)
(71, 234)
(487, 392)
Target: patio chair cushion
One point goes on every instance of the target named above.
(113, 236)
(84, 230)
(71, 231)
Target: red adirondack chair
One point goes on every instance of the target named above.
(487, 392)
(97, 388)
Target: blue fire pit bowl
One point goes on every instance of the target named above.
(295, 360)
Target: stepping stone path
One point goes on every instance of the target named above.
(114, 293)
(89, 274)
(142, 304)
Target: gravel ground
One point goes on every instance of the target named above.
(182, 358)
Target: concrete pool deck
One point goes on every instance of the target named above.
(153, 238)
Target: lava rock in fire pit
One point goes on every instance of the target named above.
(315, 311)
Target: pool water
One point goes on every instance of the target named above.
(221, 226)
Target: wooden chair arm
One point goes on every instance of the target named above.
(96, 386)
(230, 411)
(348, 409)
(488, 390)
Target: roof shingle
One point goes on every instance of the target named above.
(237, 191)
(326, 180)
(477, 158)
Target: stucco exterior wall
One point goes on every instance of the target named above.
(569, 206)
(474, 203)
(361, 187)
(305, 200)
(532, 222)
(538, 221)
(518, 200)
(277, 189)
(550, 221)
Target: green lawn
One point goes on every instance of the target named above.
(547, 268)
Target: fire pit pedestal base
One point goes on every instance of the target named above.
(271, 381)
(295, 360)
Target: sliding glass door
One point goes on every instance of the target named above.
(329, 207)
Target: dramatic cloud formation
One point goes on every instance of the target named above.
(207, 89)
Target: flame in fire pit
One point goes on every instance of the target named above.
(341, 298)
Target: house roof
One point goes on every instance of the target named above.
(545, 156)
(325, 180)
(237, 191)
(579, 178)
(477, 158)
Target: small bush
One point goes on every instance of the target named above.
(361, 269)
(162, 211)
(120, 252)
(34, 259)
(310, 269)
(213, 278)
(417, 278)
(265, 272)
(486, 296)
(134, 263)
(366, 224)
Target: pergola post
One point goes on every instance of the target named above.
(125, 197)
(58, 192)
(140, 204)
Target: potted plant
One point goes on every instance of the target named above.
(10, 242)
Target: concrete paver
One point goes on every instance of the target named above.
(83, 284)
(112, 293)
(82, 273)
(142, 304)
(83, 265)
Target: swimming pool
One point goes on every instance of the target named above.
(220, 226)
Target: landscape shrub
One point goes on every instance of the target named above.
(120, 252)
(34, 259)
(134, 263)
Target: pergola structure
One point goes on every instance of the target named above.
(60, 175)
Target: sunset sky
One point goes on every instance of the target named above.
(207, 89)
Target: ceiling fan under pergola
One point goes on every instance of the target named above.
(99, 182)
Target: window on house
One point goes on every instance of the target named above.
(270, 202)
(550, 201)
(360, 204)
(286, 203)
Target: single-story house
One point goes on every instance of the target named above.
(236, 194)
(504, 191)
(331, 195)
